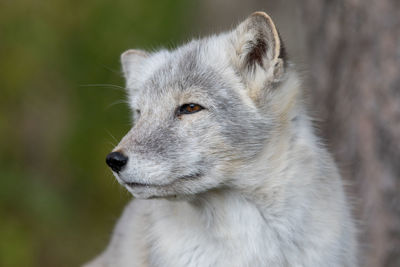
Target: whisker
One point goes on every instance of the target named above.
(112, 70)
(116, 103)
(112, 144)
(112, 86)
(112, 136)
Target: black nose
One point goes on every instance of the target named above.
(116, 161)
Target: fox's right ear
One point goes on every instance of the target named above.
(131, 61)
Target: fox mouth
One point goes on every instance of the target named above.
(133, 184)
(177, 180)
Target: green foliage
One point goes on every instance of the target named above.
(56, 128)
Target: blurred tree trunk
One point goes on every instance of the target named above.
(353, 53)
(351, 50)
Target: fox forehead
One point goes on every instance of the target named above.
(195, 70)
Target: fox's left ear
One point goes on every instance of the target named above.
(132, 61)
(259, 52)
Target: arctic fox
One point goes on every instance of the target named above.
(223, 162)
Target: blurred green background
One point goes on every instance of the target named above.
(58, 200)
(62, 109)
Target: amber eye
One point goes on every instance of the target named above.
(189, 108)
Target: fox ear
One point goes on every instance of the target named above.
(131, 61)
(260, 54)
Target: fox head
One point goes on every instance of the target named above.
(204, 111)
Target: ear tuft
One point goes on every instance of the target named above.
(131, 60)
(257, 51)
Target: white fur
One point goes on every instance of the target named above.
(284, 207)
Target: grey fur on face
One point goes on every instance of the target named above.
(228, 133)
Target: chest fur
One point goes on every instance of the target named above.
(229, 233)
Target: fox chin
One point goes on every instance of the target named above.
(221, 126)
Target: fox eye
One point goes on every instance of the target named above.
(189, 108)
(136, 114)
